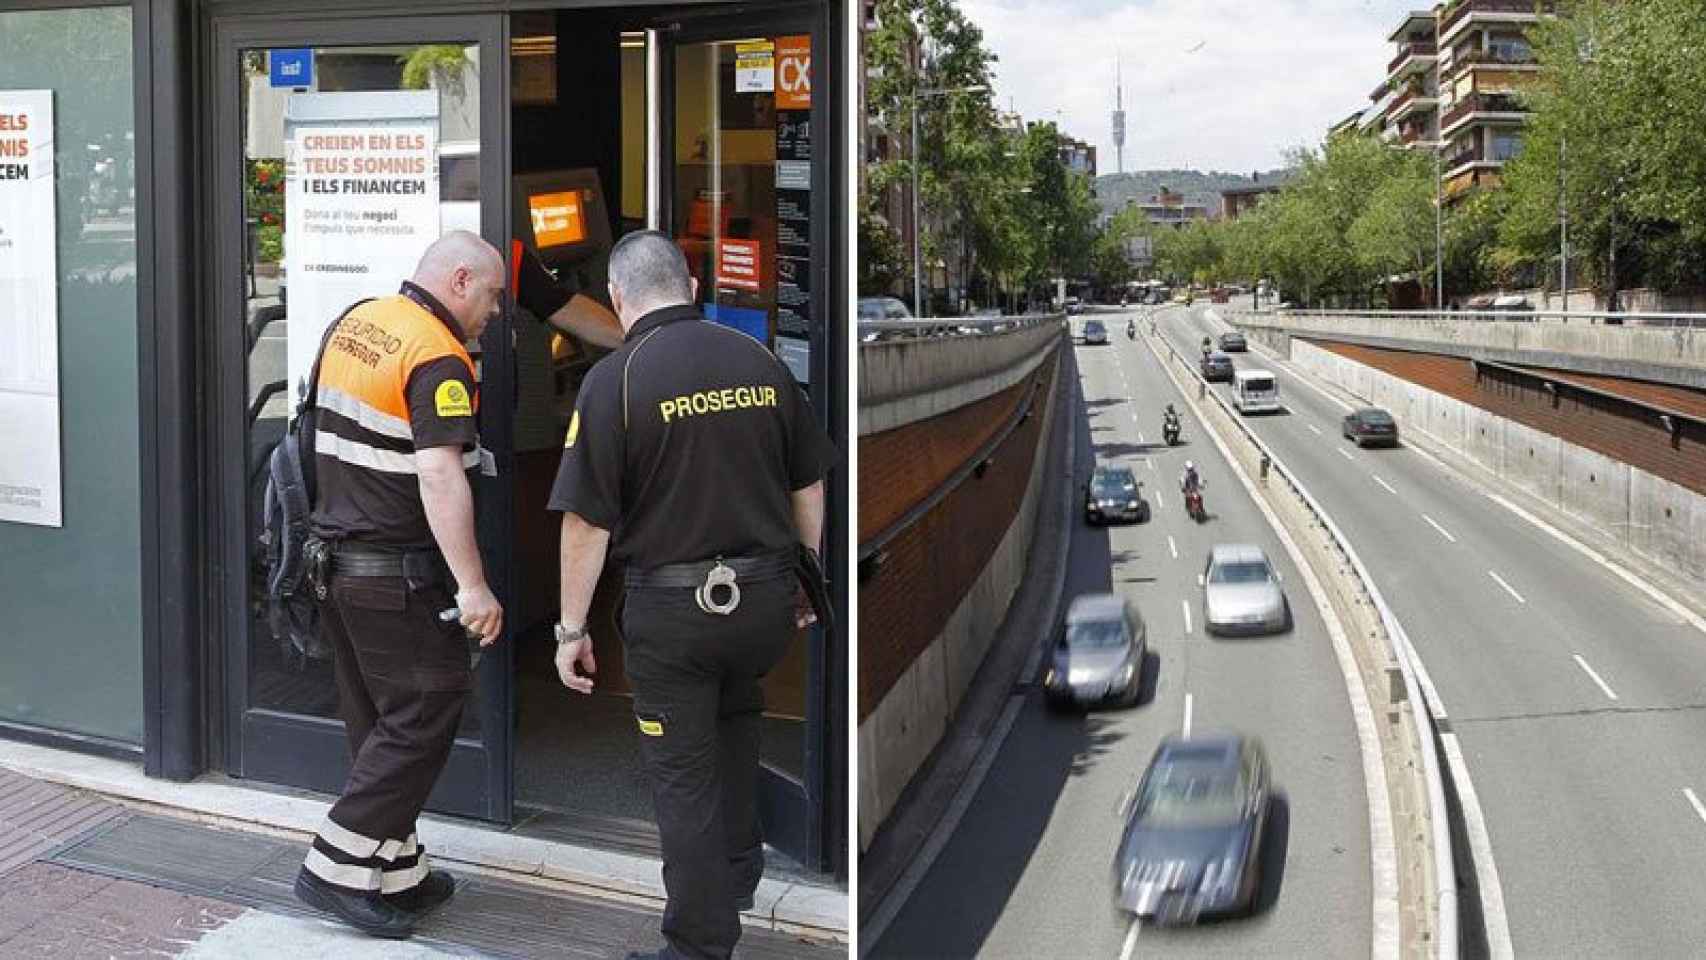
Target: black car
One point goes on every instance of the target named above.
(1371, 425)
(1217, 367)
(1233, 342)
(1114, 494)
(1192, 844)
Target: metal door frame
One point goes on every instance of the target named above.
(286, 748)
(798, 814)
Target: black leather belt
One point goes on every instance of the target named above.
(421, 567)
(767, 567)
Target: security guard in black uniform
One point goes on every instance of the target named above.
(395, 438)
(692, 457)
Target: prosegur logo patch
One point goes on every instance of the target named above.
(574, 430)
(451, 400)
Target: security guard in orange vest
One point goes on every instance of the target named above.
(395, 441)
(693, 458)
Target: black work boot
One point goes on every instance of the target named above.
(367, 912)
(426, 896)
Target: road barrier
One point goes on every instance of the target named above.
(1578, 317)
(1432, 909)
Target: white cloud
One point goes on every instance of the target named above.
(1266, 77)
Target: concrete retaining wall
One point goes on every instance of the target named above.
(903, 381)
(1660, 354)
(1631, 510)
(899, 734)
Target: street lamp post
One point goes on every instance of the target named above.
(918, 304)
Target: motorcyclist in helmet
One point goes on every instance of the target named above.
(1131, 329)
(1207, 345)
(1190, 482)
(1169, 418)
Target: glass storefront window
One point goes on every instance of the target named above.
(378, 91)
(72, 594)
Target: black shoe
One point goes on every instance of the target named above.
(367, 912)
(426, 896)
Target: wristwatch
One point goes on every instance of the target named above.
(567, 634)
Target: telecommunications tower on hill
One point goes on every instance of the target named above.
(1119, 121)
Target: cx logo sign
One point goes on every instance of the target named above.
(793, 73)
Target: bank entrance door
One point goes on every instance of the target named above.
(739, 176)
(341, 150)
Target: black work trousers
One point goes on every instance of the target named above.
(699, 710)
(403, 676)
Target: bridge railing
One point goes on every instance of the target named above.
(1578, 317)
(882, 331)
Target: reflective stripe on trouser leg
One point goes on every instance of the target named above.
(349, 860)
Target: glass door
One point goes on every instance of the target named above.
(739, 176)
(342, 149)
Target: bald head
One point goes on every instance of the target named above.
(466, 274)
(648, 272)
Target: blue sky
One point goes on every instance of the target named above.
(1210, 84)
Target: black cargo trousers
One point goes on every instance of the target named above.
(403, 677)
(699, 709)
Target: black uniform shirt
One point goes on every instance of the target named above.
(687, 441)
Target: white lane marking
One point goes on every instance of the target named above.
(1140, 437)
(1159, 502)
(1130, 944)
(1507, 586)
(1699, 808)
(1442, 530)
(1606, 687)
(1172, 547)
(1342, 453)
(1313, 428)
(1654, 593)
(1186, 732)
(1185, 605)
(1151, 463)
(1383, 483)
(1481, 849)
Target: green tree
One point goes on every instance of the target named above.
(1395, 232)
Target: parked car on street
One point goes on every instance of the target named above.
(1370, 425)
(1241, 592)
(1099, 657)
(1192, 845)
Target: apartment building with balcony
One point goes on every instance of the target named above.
(1412, 81)
(1485, 60)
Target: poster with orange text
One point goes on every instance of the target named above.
(29, 312)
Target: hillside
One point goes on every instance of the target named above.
(1113, 189)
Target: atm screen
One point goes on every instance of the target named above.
(558, 218)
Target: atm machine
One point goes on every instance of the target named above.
(561, 217)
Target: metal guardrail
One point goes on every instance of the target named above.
(1445, 877)
(884, 331)
(1581, 317)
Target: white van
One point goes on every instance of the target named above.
(1255, 391)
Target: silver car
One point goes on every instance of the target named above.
(1241, 592)
(1100, 654)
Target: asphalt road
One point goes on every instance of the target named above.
(1027, 873)
(1577, 699)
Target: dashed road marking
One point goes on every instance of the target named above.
(1314, 429)
(1172, 547)
(1130, 944)
(1508, 588)
(1383, 483)
(1442, 530)
(1159, 502)
(1186, 731)
(1185, 605)
(1596, 677)
(1699, 807)
(1342, 453)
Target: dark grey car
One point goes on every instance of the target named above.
(1217, 367)
(1233, 342)
(1099, 657)
(1192, 843)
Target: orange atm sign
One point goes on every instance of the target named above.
(557, 218)
(793, 73)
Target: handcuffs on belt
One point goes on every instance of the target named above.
(719, 576)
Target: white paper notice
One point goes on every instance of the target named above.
(755, 67)
(29, 312)
(361, 206)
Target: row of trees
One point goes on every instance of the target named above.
(998, 205)
(1614, 140)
